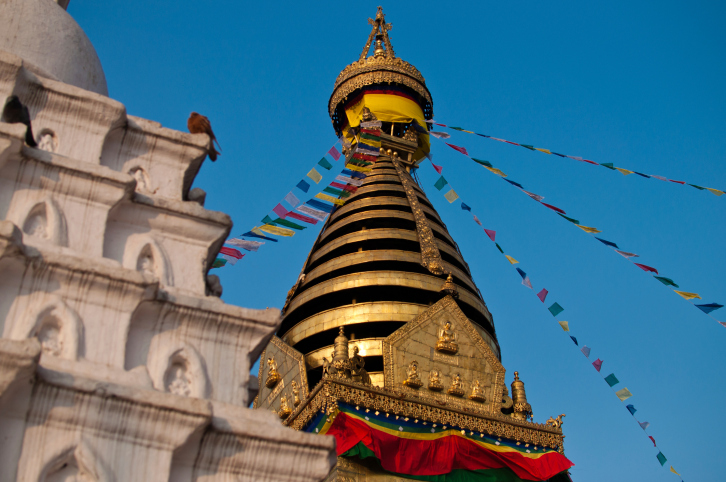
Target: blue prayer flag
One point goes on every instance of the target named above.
(465, 207)
(303, 186)
(708, 308)
(608, 243)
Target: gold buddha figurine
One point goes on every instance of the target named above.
(446, 341)
(285, 410)
(435, 381)
(457, 387)
(413, 380)
(477, 394)
(272, 376)
(295, 394)
(357, 372)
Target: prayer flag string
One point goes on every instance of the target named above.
(555, 309)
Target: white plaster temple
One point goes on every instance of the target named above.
(116, 361)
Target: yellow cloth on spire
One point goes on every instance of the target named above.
(588, 229)
(330, 199)
(268, 228)
(389, 108)
(496, 171)
(511, 260)
(565, 326)
(687, 295)
(625, 172)
(546, 151)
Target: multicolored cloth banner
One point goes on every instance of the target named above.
(555, 309)
(607, 165)
(705, 308)
(424, 450)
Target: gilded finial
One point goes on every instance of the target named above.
(516, 374)
(380, 33)
(449, 287)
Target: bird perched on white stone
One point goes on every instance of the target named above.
(199, 124)
(15, 112)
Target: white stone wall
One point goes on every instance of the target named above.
(115, 364)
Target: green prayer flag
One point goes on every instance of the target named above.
(336, 192)
(483, 163)
(457, 128)
(612, 380)
(358, 162)
(661, 458)
(609, 165)
(666, 281)
(324, 162)
(698, 187)
(268, 220)
(219, 262)
(575, 221)
(289, 224)
(499, 248)
(556, 309)
(531, 148)
(440, 183)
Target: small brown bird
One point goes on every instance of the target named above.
(15, 112)
(198, 124)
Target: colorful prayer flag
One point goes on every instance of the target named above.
(300, 217)
(325, 164)
(334, 152)
(490, 233)
(556, 309)
(440, 135)
(330, 199)
(687, 295)
(318, 205)
(631, 408)
(588, 229)
(623, 394)
(511, 260)
(457, 148)
(483, 163)
(607, 243)
(715, 191)
(476, 220)
(644, 425)
(349, 180)
(646, 268)
(652, 440)
(244, 244)
(626, 254)
(526, 282)
(666, 281)
(280, 210)
(612, 380)
(258, 234)
(513, 183)
(496, 171)
(268, 228)
(546, 151)
(231, 252)
(440, 183)
(289, 224)
(291, 199)
(315, 213)
(585, 351)
(438, 169)
(534, 196)
(708, 308)
(597, 364)
(674, 471)
(451, 196)
(555, 209)
(624, 172)
(303, 186)
(219, 262)
(574, 339)
(565, 325)
(499, 248)
(542, 295)
(465, 207)
(315, 175)
(609, 165)
(232, 260)
(574, 221)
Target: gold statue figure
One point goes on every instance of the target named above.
(477, 394)
(285, 410)
(457, 387)
(435, 381)
(555, 422)
(295, 393)
(272, 376)
(357, 372)
(446, 341)
(413, 379)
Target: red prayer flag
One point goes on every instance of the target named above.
(300, 217)
(231, 252)
(652, 439)
(513, 143)
(542, 295)
(457, 148)
(646, 268)
(437, 168)
(677, 182)
(345, 187)
(554, 208)
(442, 125)
(334, 152)
(280, 211)
(597, 364)
(590, 162)
(490, 233)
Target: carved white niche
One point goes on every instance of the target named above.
(76, 463)
(177, 368)
(59, 329)
(48, 140)
(143, 181)
(46, 221)
(144, 254)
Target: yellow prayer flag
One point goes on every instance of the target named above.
(330, 199)
(625, 172)
(687, 295)
(269, 228)
(715, 191)
(623, 394)
(257, 231)
(565, 326)
(496, 171)
(353, 167)
(451, 196)
(674, 471)
(546, 151)
(511, 260)
(588, 229)
(315, 175)
(462, 130)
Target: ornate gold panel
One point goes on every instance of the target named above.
(291, 367)
(474, 360)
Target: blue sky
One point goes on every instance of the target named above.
(638, 84)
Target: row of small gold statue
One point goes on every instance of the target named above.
(457, 385)
(285, 409)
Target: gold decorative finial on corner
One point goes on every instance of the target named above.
(449, 287)
(380, 33)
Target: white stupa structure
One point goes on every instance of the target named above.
(118, 360)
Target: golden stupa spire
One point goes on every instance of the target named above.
(380, 33)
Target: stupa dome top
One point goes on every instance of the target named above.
(51, 43)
